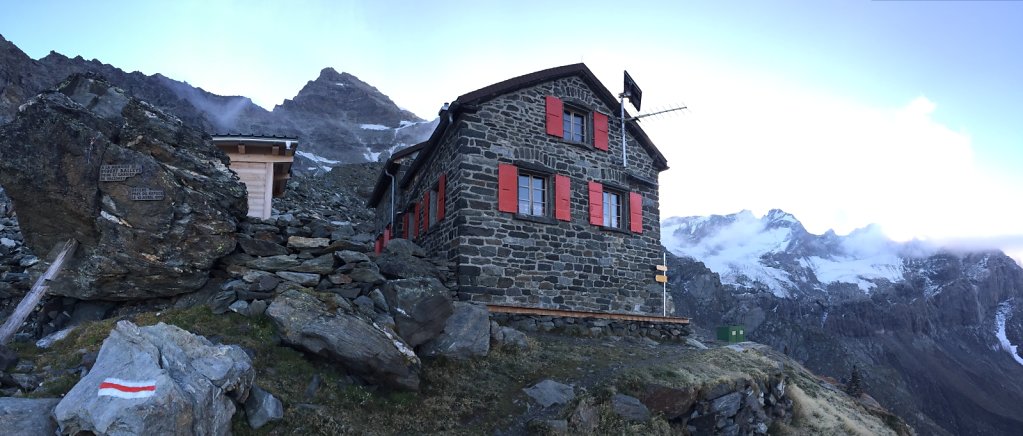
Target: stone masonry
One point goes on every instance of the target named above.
(535, 261)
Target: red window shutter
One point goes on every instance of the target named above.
(600, 131)
(379, 245)
(596, 204)
(636, 212)
(441, 186)
(415, 221)
(507, 188)
(562, 190)
(387, 235)
(405, 224)
(426, 211)
(555, 114)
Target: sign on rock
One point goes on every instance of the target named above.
(118, 173)
(145, 194)
(127, 389)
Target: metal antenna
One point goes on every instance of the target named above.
(658, 112)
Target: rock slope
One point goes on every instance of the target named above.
(934, 330)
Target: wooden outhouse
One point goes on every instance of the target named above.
(263, 163)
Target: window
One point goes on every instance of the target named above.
(574, 125)
(608, 208)
(613, 210)
(433, 207)
(532, 194)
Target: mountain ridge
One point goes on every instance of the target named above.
(358, 125)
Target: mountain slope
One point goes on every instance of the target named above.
(337, 117)
(934, 331)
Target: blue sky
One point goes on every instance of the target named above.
(903, 113)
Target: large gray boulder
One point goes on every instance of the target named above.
(420, 308)
(466, 334)
(27, 416)
(151, 201)
(158, 380)
(360, 345)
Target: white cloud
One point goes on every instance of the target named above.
(833, 161)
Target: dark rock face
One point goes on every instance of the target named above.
(133, 244)
(926, 347)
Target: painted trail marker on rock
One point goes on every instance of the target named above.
(127, 389)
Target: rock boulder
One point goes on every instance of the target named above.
(420, 308)
(157, 380)
(361, 346)
(151, 201)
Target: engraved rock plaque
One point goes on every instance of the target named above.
(145, 194)
(118, 173)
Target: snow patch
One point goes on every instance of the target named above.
(859, 271)
(317, 158)
(1001, 316)
(374, 127)
(371, 156)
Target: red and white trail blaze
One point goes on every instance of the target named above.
(115, 387)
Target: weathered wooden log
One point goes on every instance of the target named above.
(30, 301)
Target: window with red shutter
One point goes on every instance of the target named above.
(600, 131)
(636, 212)
(507, 188)
(555, 111)
(562, 195)
(441, 187)
(596, 203)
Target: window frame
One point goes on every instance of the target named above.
(545, 203)
(585, 114)
(620, 221)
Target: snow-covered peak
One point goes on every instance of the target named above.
(774, 252)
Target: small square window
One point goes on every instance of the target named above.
(533, 198)
(575, 125)
(614, 209)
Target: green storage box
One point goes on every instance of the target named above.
(732, 333)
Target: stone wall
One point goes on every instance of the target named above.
(505, 258)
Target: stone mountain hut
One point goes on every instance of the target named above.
(523, 189)
(263, 163)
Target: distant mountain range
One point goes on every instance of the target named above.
(936, 332)
(337, 117)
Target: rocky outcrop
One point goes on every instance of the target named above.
(157, 380)
(338, 333)
(151, 202)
